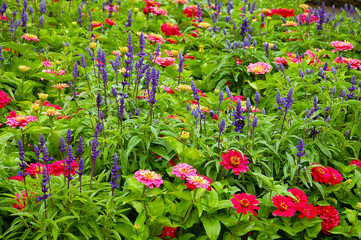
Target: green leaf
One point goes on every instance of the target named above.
(175, 144)
(132, 143)
(243, 228)
(213, 198)
(212, 226)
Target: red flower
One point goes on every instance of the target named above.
(64, 117)
(300, 196)
(165, 62)
(195, 33)
(188, 57)
(281, 60)
(95, 24)
(285, 206)
(149, 3)
(284, 12)
(356, 162)
(168, 89)
(235, 98)
(57, 168)
(335, 176)
(170, 29)
(169, 232)
(191, 11)
(21, 199)
(46, 103)
(236, 161)
(320, 174)
(245, 203)
(110, 21)
(33, 169)
(307, 210)
(171, 40)
(17, 177)
(330, 217)
(4, 99)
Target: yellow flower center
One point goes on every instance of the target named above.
(235, 161)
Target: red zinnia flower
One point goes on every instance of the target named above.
(57, 168)
(4, 99)
(245, 203)
(33, 169)
(191, 11)
(17, 177)
(170, 29)
(307, 210)
(356, 162)
(169, 232)
(300, 196)
(236, 161)
(330, 217)
(285, 206)
(284, 12)
(110, 21)
(320, 174)
(335, 176)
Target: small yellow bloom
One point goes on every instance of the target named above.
(35, 107)
(123, 70)
(269, 18)
(349, 181)
(184, 88)
(136, 10)
(138, 33)
(123, 49)
(185, 135)
(51, 112)
(24, 68)
(304, 6)
(43, 96)
(74, 23)
(269, 44)
(201, 50)
(204, 25)
(201, 46)
(93, 45)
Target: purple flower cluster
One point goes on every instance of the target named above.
(238, 118)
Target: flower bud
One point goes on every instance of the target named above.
(185, 135)
(74, 23)
(93, 45)
(136, 227)
(136, 10)
(349, 181)
(358, 206)
(35, 107)
(24, 68)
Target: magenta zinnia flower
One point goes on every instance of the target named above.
(341, 46)
(284, 205)
(15, 120)
(236, 161)
(148, 178)
(259, 68)
(245, 203)
(183, 170)
(300, 197)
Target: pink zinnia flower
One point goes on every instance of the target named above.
(168, 89)
(198, 181)
(158, 11)
(330, 217)
(245, 203)
(183, 170)
(164, 62)
(335, 176)
(30, 37)
(152, 37)
(148, 178)
(341, 46)
(355, 63)
(236, 161)
(15, 120)
(47, 63)
(281, 60)
(284, 205)
(259, 68)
